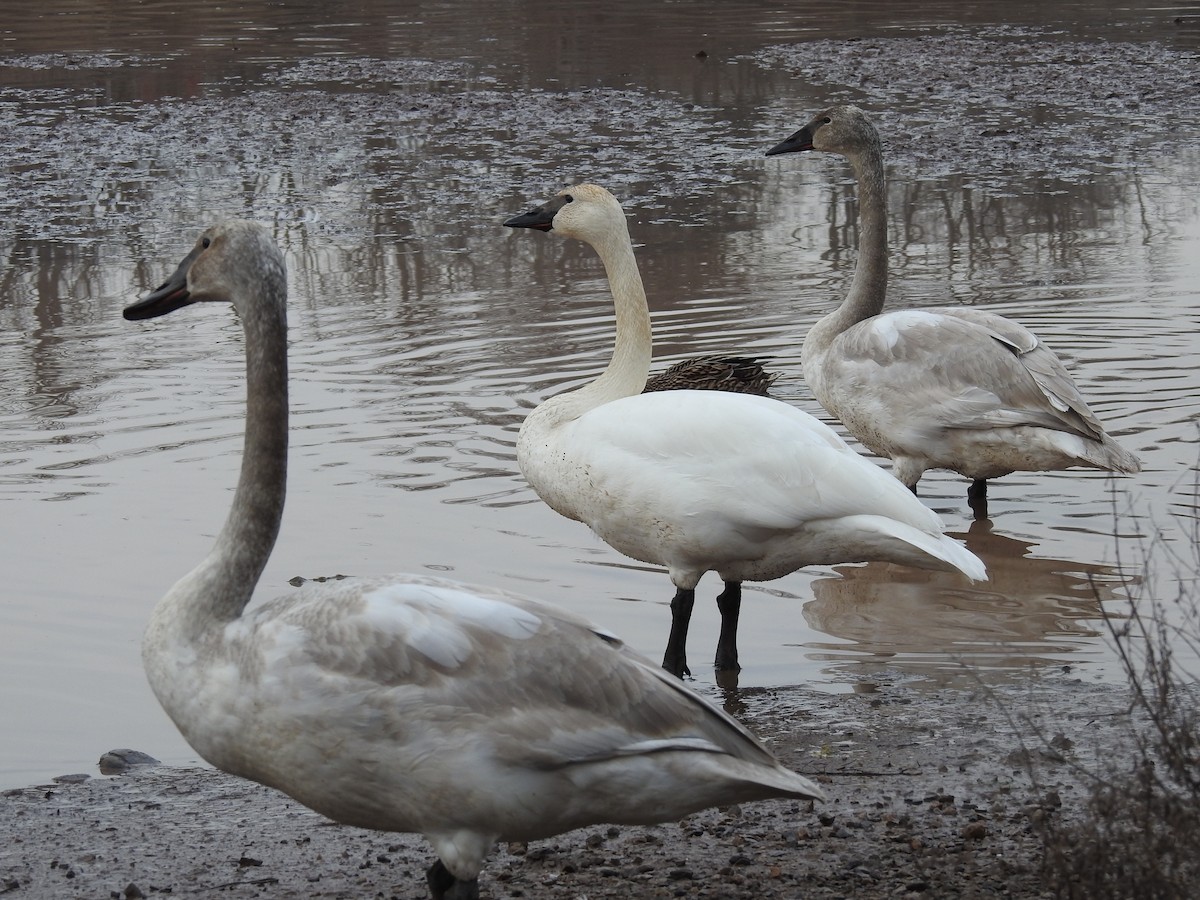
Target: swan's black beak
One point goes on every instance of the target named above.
(541, 218)
(171, 295)
(801, 140)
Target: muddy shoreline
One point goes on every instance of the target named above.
(930, 795)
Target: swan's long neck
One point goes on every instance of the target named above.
(869, 285)
(629, 367)
(218, 589)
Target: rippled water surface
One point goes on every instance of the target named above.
(385, 145)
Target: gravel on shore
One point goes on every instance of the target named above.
(933, 793)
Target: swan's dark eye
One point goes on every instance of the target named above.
(567, 198)
(205, 242)
(826, 120)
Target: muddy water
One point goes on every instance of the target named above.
(386, 143)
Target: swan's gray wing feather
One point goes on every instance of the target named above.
(1043, 365)
(437, 656)
(962, 369)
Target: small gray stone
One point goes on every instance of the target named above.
(114, 762)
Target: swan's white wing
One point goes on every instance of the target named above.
(956, 369)
(733, 465)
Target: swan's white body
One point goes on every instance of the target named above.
(410, 703)
(672, 479)
(698, 481)
(959, 389)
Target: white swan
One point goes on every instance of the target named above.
(959, 389)
(410, 703)
(745, 486)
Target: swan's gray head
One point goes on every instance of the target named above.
(232, 260)
(839, 129)
(586, 212)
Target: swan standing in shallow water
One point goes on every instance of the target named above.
(959, 389)
(745, 486)
(466, 714)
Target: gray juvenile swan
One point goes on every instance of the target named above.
(959, 389)
(466, 714)
(745, 486)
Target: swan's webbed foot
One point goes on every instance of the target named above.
(444, 886)
(977, 498)
(729, 602)
(675, 659)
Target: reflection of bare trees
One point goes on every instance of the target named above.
(1031, 610)
(386, 174)
(43, 300)
(952, 241)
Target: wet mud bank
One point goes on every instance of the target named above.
(930, 795)
(993, 101)
(415, 136)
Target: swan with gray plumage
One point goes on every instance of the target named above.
(955, 388)
(410, 703)
(745, 486)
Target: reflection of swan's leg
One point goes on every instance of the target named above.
(444, 886)
(729, 602)
(977, 498)
(675, 659)
(732, 703)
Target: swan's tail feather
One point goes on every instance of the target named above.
(1115, 458)
(761, 782)
(955, 554)
(782, 782)
(1097, 453)
(902, 543)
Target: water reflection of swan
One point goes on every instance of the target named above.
(956, 388)
(1031, 609)
(413, 703)
(745, 486)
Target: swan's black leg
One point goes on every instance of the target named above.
(444, 886)
(729, 602)
(675, 659)
(977, 498)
